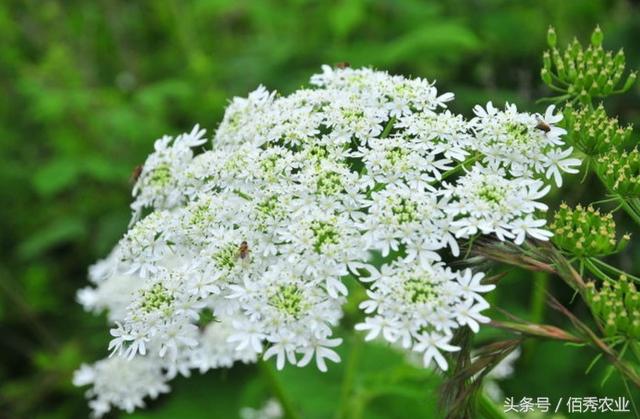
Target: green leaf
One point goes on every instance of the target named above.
(99, 168)
(217, 394)
(37, 289)
(444, 39)
(56, 176)
(60, 231)
(346, 16)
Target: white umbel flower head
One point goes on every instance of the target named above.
(247, 249)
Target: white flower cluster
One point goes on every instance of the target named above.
(246, 250)
(270, 410)
(120, 382)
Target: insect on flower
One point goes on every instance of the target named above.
(135, 173)
(543, 126)
(343, 65)
(243, 250)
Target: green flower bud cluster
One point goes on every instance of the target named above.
(156, 298)
(160, 176)
(405, 210)
(288, 299)
(593, 132)
(324, 234)
(420, 290)
(620, 172)
(585, 73)
(330, 184)
(617, 306)
(585, 232)
(226, 257)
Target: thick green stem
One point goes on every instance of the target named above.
(537, 306)
(635, 348)
(629, 209)
(269, 374)
(488, 408)
(345, 411)
(635, 204)
(633, 402)
(540, 284)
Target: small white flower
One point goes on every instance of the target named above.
(558, 161)
(471, 286)
(377, 325)
(282, 347)
(530, 226)
(431, 344)
(321, 349)
(468, 313)
(247, 337)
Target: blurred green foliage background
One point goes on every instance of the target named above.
(88, 85)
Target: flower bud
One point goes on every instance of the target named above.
(634, 327)
(584, 232)
(551, 37)
(610, 326)
(622, 322)
(546, 76)
(630, 81)
(596, 37)
(587, 73)
(619, 58)
(596, 305)
(632, 302)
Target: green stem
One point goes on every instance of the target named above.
(538, 294)
(347, 382)
(456, 169)
(632, 213)
(633, 402)
(586, 170)
(606, 200)
(623, 350)
(596, 271)
(243, 195)
(488, 408)
(613, 269)
(554, 99)
(278, 391)
(635, 348)
(540, 284)
(388, 127)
